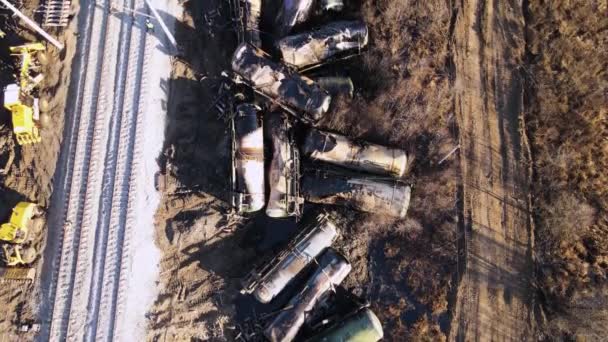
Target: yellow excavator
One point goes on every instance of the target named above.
(19, 98)
(20, 238)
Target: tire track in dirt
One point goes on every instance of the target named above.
(495, 294)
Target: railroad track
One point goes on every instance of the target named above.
(97, 191)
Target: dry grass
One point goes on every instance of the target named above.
(404, 99)
(568, 120)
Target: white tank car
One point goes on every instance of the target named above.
(339, 150)
(378, 196)
(331, 270)
(248, 159)
(267, 281)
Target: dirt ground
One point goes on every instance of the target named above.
(404, 268)
(496, 296)
(28, 170)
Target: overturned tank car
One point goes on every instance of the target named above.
(331, 270)
(292, 13)
(362, 326)
(298, 95)
(379, 196)
(247, 176)
(284, 174)
(340, 150)
(267, 281)
(310, 48)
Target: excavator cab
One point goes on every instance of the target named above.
(19, 98)
(16, 231)
(25, 116)
(20, 238)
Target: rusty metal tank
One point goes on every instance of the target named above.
(310, 48)
(292, 13)
(296, 94)
(247, 159)
(363, 326)
(267, 281)
(284, 174)
(340, 150)
(331, 270)
(374, 195)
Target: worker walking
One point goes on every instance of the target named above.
(149, 26)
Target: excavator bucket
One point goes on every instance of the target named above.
(17, 274)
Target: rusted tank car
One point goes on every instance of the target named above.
(284, 174)
(305, 49)
(362, 326)
(247, 177)
(331, 270)
(292, 13)
(267, 281)
(298, 95)
(379, 196)
(340, 150)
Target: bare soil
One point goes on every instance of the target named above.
(404, 268)
(496, 296)
(29, 169)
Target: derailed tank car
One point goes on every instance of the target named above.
(247, 178)
(298, 95)
(267, 281)
(363, 326)
(331, 270)
(340, 150)
(292, 13)
(314, 47)
(379, 196)
(284, 175)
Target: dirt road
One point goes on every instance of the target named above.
(495, 298)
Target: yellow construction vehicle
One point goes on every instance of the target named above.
(20, 99)
(21, 235)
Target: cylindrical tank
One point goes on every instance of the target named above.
(332, 5)
(298, 95)
(248, 159)
(314, 47)
(253, 10)
(267, 282)
(292, 13)
(336, 85)
(331, 270)
(382, 197)
(284, 173)
(339, 150)
(364, 326)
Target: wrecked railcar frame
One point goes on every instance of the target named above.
(296, 94)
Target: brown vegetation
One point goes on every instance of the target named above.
(568, 124)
